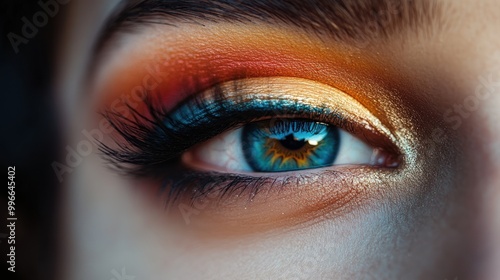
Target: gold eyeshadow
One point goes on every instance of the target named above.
(313, 94)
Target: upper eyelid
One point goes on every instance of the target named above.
(178, 123)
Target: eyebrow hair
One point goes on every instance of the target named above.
(343, 20)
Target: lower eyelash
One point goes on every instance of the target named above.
(191, 185)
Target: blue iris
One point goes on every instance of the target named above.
(289, 144)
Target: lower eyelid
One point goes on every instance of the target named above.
(285, 202)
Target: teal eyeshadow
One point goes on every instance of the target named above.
(201, 112)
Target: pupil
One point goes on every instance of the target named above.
(291, 143)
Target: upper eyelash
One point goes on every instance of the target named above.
(156, 139)
(282, 127)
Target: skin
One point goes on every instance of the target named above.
(437, 218)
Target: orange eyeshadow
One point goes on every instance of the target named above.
(173, 69)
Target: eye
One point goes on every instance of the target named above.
(254, 125)
(276, 145)
(257, 152)
(308, 146)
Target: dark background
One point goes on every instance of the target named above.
(30, 138)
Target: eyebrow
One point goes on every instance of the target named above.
(347, 21)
